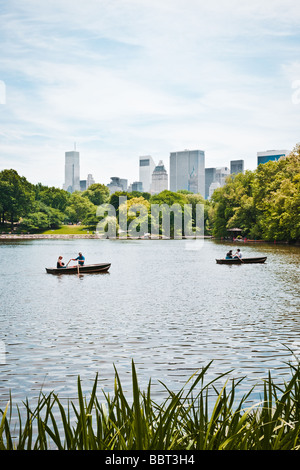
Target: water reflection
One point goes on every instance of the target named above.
(169, 308)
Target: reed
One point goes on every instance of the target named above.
(201, 416)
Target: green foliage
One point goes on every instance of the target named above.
(54, 197)
(43, 217)
(16, 195)
(78, 208)
(264, 203)
(97, 193)
(201, 416)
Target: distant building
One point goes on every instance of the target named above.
(159, 178)
(90, 180)
(214, 185)
(271, 155)
(124, 184)
(83, 185)
(187, 171)
(221, 175)
(137, 186)
(146, 168)
(236, 166)
(210, 176)
(215, 178)
(72, 172)
(117, 184)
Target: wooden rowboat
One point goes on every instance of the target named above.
(261, 259)
(88, 268)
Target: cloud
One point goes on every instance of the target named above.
(125, 78)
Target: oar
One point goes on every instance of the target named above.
(78, 268)
(68, 263)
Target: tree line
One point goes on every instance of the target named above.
(264, 203)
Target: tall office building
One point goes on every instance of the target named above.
(159, 178)
(146, 168)
(89, 181)
(187, 171)
(210, 176)
(271, 155)
(72, 171)
(236, 166)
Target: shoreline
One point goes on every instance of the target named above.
(41, 236)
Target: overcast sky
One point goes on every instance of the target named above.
(125, 78)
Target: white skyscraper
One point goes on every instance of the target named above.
(89, 181)
(159, 179)
(187, 171)
(72, 172)
(146, 168)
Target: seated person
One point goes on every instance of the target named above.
(229, 254)
(59, 263)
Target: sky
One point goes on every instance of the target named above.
(122, 79)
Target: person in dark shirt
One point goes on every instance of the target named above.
(229, 254)
(60, 263)
(80, 258)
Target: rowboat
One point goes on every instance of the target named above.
(88, 268)
(261, 259)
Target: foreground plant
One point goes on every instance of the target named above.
(199, 416)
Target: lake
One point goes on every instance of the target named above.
(166, 304)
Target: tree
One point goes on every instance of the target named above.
(264, 203)
(136, 210)
(97, 193)
(54, 197)
(78, 208)
(16, 195)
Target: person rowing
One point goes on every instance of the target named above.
(238, 254)
(80, 258)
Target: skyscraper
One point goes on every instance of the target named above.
(221, 174)
(210, 176)
(72, 171)
(271, 155)
(146, 168)
(159, 178)
(89, 181)
(187, 171)
(236, 166)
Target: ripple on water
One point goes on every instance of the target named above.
(170, 309)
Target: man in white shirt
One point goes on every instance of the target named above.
(238, 254)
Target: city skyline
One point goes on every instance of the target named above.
(125, 79)
(188, 171)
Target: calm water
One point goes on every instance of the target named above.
(170, 308)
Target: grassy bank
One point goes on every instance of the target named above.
(69, 230)
(199, 417)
